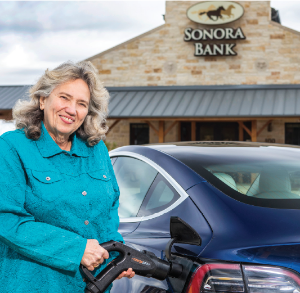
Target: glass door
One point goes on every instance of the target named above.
(220, 131)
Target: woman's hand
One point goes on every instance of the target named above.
(94, 255)
(129, 274)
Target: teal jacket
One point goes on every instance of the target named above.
(51, 202)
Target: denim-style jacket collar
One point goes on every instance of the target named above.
(48, 147)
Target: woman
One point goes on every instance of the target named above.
(58, 192)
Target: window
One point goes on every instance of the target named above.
(160, 196)
(263, 179)
(113, 160)
(266, 176)
(225, 131)
(139, 133)
(185, 131)
(292, 133)
(134, 178)
(211, 131)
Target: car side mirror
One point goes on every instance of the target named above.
(181, 232)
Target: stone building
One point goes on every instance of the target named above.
(162, 92)
(208, 73)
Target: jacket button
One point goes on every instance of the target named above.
(48, 178)
(86, 222)
(84, 193)
(104, 176)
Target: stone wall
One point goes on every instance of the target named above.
(119, 135)
(277, 132)
(269, 55)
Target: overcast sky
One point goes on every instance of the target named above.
(39, 35)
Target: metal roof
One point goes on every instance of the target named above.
(10, 94)
(205, 101)
(189, 101)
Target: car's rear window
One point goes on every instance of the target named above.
(267, 173)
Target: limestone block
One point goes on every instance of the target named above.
(273, 77)
(133, 46)
(252, 21)
(288, 77)
(107, 71)
(277, 36)
(171, 82)
(153, 78)
(262, 13)
(234, 66)
(196, 72)
(192, 61)
(252, 79)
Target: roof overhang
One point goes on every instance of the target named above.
(205, 102)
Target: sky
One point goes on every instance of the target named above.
(36, 35)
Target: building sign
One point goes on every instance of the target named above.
(214, 13)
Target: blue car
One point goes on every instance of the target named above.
(241, 198)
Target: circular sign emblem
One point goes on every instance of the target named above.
(215, 12)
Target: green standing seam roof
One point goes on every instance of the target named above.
(189, 101)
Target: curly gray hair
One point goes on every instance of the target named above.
(29, 116)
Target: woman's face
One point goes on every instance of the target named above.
(66, 108)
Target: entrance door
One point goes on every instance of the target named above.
(220, 131)
(210, 131)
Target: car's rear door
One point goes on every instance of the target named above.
(153, 197)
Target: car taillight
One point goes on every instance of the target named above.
(221, 277)
(271, 279)
(216, 277)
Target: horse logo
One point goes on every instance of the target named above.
(228, 11)
(200, 12)
(215, 12)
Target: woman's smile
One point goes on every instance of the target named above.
(66, 119)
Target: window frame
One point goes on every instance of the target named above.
(150, 193)
(182, 194)
(113, 160)
(131, 126)
(144, 194)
